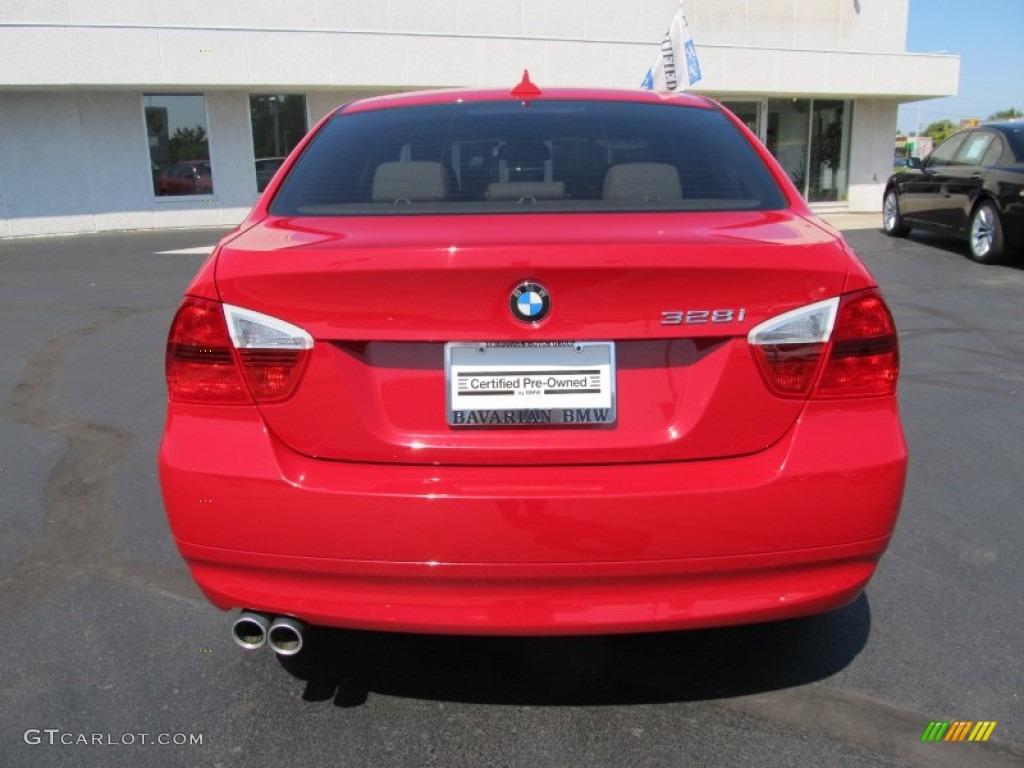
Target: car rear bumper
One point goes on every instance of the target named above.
(607, 598)
(795, 529)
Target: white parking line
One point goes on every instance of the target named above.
(203, 249)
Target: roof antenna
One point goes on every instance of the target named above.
(526, 89)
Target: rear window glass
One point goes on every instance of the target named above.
(975, 147)
(550, 156)
(1015, 135)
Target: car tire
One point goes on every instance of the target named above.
(892, 221)
(985, 235)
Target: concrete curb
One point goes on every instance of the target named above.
(853, 220)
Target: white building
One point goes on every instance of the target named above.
(101, 101)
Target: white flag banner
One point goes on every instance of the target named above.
(677, 67)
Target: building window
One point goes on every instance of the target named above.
(749, 112)
(278, 124)
(830, 151)
(179, 150)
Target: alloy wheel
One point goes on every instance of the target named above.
(982, 232)
(892, 222)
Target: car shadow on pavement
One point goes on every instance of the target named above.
(347, 666)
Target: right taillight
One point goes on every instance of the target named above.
(864, 356)
(840, 347)
(218, 353)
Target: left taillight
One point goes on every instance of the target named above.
(200, 363)
(273, 352)
(218, 353)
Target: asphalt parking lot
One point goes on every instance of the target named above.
(105, 635)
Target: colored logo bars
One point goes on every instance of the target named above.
(958, 730)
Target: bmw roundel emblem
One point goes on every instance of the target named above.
(530, 302)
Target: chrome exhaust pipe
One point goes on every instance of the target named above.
(285, 636)
(250, 630)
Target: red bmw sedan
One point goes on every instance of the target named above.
(530, 362)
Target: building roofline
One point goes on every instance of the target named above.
(446, 34)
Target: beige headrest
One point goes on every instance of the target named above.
(642, 181)
(411, 181)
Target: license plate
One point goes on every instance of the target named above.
(498, 384)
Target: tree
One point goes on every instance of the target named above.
(939, 130)
(1006, 114)
(189, 144)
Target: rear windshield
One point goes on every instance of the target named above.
(550, 156)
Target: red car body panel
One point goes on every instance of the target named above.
(710, 501)
(617, 548)
(421, 98)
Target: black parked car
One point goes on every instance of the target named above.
(972, 184)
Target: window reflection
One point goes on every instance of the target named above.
(179, 151)
(278, 125)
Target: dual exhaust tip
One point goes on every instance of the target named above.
(283, 634)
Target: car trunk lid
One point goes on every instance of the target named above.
(675, 294)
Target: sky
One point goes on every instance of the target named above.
(986, 34)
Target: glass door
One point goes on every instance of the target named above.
(788, 137)
(830, 151)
